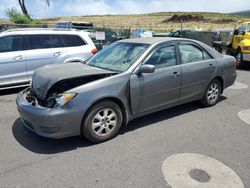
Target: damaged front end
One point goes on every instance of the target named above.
(56, 100)
(56, 96)
(50, 83)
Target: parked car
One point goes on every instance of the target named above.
(238, 43)
(24, 50)
(128, 79)
(74, 25)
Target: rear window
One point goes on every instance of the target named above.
(73, 40)
(39, 41)
(54, 41)
(57, 41)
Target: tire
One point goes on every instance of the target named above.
(239, 58)
(212, 93)
(103, 122)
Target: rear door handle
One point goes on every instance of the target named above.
(17, 58)
(57, 54)
(176, 74)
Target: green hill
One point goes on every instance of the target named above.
(242, 13)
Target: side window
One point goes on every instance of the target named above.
(242, 28)
(57, 41)
(10, 44)
(248, 27)
(163, 57)
(73, 40)
(190, 53)
(39, 41)
(206, 56)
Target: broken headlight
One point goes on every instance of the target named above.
(63, 99)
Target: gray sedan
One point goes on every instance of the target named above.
(126, 80)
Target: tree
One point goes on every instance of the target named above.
(24, 10)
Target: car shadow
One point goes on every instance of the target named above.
(41, 145)
(11, 91)
(165, 115)
(38, 144)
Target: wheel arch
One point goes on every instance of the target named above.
(117, 101)
(73, 60)
(220, 79)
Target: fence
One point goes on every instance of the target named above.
(113, 34)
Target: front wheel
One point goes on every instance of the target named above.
(239, 59)
(102, 122)
(212, 93)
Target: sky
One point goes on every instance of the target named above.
(57, 8)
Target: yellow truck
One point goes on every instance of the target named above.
(239, 46)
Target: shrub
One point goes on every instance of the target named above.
(19, 18)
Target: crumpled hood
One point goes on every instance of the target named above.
(44, 78)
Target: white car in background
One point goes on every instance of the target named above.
(24, 50)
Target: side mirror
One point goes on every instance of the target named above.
(146, 68)
(242, 33)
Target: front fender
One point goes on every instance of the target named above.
(115, 87)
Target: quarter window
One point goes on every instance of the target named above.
(163, 57)
(39, 41)
(10, 44)
(190, 53)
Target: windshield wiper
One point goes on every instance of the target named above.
(110, 69)
(104, 68)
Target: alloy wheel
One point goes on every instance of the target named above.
(213, 93)
(104, 122)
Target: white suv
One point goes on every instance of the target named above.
(24, 50)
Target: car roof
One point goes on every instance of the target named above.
(157, 40)
(43, 31)
(152, 40)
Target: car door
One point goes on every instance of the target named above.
(40, 52)
(12, 61)
(239, 37)
(197, 68)
(75, 47)
(160, 89)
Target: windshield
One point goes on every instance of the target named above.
(118, 56)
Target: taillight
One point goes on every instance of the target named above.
(94, 51)
(236, 63)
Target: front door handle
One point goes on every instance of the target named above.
(211, 66)
(57, 54)
(17, 58)
(176, 74)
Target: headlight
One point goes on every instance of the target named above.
(246, 48)
(63, 99)
(31, 83)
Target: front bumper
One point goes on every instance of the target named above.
(246, 57)
(49, 122)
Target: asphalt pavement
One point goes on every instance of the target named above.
(153, 151)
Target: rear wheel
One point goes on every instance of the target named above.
(102, 122)
(212, 93)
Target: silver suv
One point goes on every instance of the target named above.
(24, 50)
